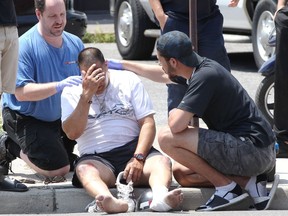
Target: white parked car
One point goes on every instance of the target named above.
(136, 30)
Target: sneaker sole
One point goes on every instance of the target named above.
(273, 190)
(263, 203)
(241, 202)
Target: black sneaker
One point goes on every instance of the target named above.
(220, 203)
(12, 185)
(5, 156)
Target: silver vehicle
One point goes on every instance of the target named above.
(136, 30)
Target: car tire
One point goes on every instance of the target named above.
(130, 22)
(263, 25)
(264, 98)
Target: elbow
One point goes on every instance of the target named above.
(22, 95)
(176, 128)
(19, 96)
(72, 135)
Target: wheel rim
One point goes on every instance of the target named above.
(269, 101)
(125, 23)
(264, 29)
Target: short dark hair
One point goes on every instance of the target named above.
(40, 5)
(89, 56)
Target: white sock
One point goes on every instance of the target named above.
(256, 190)
(158, 203)
(223, 191)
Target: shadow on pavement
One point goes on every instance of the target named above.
(242, 61)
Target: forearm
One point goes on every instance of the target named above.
(179, 120)
(35, 91)
(152, 72)
(76, 123)
(158, 11)
(146, 136)
(281, 3)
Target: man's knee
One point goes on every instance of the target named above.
(165, 162)
(179, 176)
(162, 162)
(164, 135)
(85, 167)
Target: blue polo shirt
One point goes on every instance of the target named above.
(39, 62)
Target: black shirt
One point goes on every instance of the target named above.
(217, 97)
(7, 13)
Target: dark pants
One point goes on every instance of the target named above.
(45, 143)
(210, 45)
(281, 76)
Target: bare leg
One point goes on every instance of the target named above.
(188, 178)
(159, 178)
(182, 147)
(96, 178)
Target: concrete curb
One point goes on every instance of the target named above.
(48, 199)
(64, 198)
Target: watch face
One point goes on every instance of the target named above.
(139, 157)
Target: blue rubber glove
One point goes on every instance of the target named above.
(115, 64)
(69, 81)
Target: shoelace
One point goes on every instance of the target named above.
(92, 207)
(125, 192)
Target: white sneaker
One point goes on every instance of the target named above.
(92, 207)
(125, 192)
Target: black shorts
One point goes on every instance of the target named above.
(41, 141)
(116, 159)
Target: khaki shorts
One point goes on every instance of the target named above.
(9, 47)
(235, 155)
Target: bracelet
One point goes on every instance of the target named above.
(89, 101)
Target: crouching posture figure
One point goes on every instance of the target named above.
(237, 149)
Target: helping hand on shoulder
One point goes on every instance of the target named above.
(115, 64)
(69, 81)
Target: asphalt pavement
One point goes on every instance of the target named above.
(63, 199)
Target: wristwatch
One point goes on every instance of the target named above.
(139, 157)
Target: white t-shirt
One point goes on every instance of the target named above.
(126, 101)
